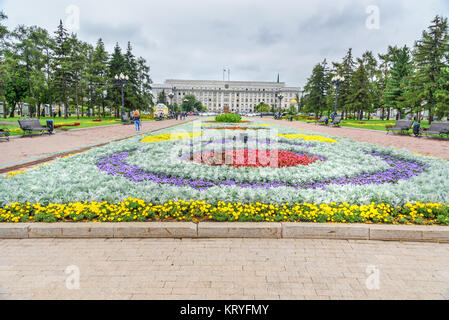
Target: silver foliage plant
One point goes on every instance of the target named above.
(78, 179)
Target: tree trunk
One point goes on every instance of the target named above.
(4, 110)
(77, 102)
(13, 111)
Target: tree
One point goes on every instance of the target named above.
(97, 75)
(395, 88)
(429, 56)
(262, 107)
(360, 95)
(16, 87)
(144, 82)
(191, 104)
(162, 98)
(3, 65)
(317, 88)
(345, 69)
(62, 66)
(442, 94)
(116, 67)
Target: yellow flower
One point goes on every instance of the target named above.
(308, 137)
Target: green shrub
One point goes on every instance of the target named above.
(229, 117)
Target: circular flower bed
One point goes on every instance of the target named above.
(253, 158)
(312, 168)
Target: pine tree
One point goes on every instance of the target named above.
(360, 97)
(442, 94)
(144, 82)
(346, 70)
(316, 89)
(395, 87)
(62, 66)
(116, 67)
(3, 64)
(131, 90)
(97, 74)
(429, 56)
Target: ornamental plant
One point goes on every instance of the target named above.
(228, 118)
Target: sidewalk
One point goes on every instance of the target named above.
(425, 146)
(249, 269)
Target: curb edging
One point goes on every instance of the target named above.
(208, 230)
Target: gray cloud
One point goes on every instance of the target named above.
(257, 39)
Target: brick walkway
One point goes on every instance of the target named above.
(32, 147)
(423, 145)
(223, 269)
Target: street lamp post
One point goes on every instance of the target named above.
(171, 95)
(337, 81)
(122, 80)
(280, 97)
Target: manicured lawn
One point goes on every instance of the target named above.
(86, 122)
(379, 125)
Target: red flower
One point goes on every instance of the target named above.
(253, 158)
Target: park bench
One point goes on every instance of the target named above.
(4, 134)
(401, 126)
(125, 119)
(336, 122)
(438, 128)
(324, 120)
(33, 125)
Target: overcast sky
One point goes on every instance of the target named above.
(256, 39)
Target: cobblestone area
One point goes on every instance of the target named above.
(223, 269)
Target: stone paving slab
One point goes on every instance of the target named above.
(204, 230)
(228, 269)
(325, 231)
(239, 230)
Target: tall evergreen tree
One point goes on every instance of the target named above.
(316, 89)
(360, 97)
(395, 88)
(115, 67)
(429, 55)
(98, 74)
(62, 66)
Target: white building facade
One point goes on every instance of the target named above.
(229, 96)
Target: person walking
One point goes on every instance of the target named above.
(136, 117)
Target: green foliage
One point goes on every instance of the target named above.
(228, 118)
(191, 104)
(262, 107)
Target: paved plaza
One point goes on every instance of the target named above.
(223, 269)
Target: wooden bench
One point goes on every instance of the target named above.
(125, 119)
(336, 122)
(4, 134)
(401, 126)
(438, 128)
(324, 120)
(33, 125)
